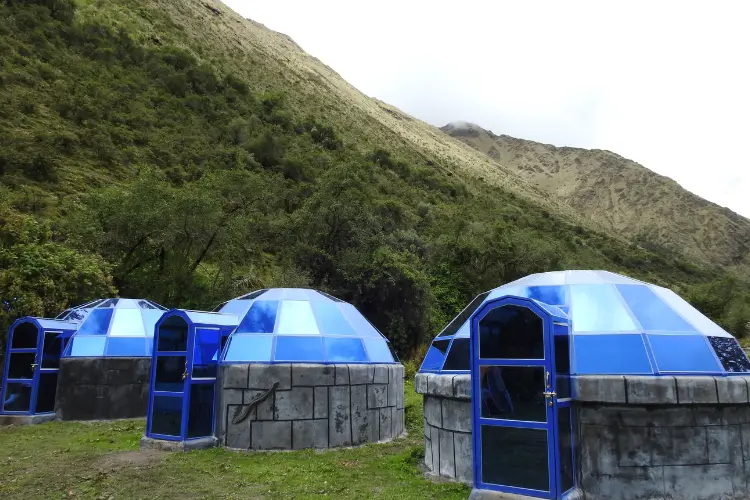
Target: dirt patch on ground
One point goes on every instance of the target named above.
(129, 459)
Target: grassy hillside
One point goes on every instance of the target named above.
(622, 196)
(170, 149)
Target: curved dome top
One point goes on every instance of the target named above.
(619, 326)
(113, 328)
(287, 325)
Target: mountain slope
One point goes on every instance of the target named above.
(173, 150)
(621, 195)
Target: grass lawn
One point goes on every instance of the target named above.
(103, 460)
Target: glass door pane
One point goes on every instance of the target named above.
(17, 396)
(53, 345)
(565, 448)
(205, 353)
(513, 393)
(201, 411)
(166, 415)
(170, 375)
(515, 456)
(21, 365)
(45, 392)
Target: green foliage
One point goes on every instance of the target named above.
(40, 277)
(727, 301)
(191, 184)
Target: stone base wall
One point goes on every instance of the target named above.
(684, 438)
(311, 405)
(447, 425)
(102, 388)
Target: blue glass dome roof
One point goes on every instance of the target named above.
(618, 326)
(113, 328)
(293, 325)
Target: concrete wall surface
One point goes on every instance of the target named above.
(447, 425)
(313, 405)
(102, 388)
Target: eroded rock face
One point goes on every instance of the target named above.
(312, 406)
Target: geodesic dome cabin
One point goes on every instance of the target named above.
(302, 369)
(590, 381)
(30, 372)
(104, 371)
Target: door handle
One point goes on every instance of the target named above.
(33, 366)
(549, 395)
(185, 373)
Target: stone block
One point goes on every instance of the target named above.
(237, 435)
(428, 454)
(599, 388)
(634, 447)
(400, 395)
(321, 402)
(724, 444)
(373, 422)
(642, 483)
(320, 433)
(386, 424)
(401, 422)
(232, 396)
(361, 374)
(440, 385)
(651, 416)
(234, 376)
(462, 386)
(435, 439)
(265, 410)
(270, 435)
(313, 375)
(731, 389)
(745, 432)
(735, 414)
(303, 434)
(699, 482)
(342, 374)
(433, 411)
(679, 446)
(447, 463)
(456, 415)
(377, 395)
(651, 390)
(142, 371)
(599, 449)
(339, 416)
(708, 415)
(696, 390)
(463, 457)
(382, 373)
(264, 376)
(588, 415)
(296, 404)
(393, 388)
(420, 383)
(360, 414)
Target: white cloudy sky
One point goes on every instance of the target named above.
(665, 83)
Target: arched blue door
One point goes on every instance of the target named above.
(183, 380)
(522, 422)
(31, 367)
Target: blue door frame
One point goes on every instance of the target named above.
(199, 373)
(551, 327)
(38, 368)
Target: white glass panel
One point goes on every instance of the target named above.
(127, 322)
(599, 308)
(297, 319)
(465, 330)
(236, 307)
(689, 313)
(150, 317)
(127, 304)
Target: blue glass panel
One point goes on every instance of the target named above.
(599, 308)
(150, 317)
(683, 353)
(260, 318)
(553, 295)
(691, 314)
(300, 294)
(344, 349)
(127, 346)
(362, 327)
(610, 355)
(87, 346)
(297, 319)
(290, 348)
(330, 319)
(127, 323)
(204, 352)
(236, 307)
(97, 322)
(464, 331)
(249, 348)
(377, 350)
(650, 311)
